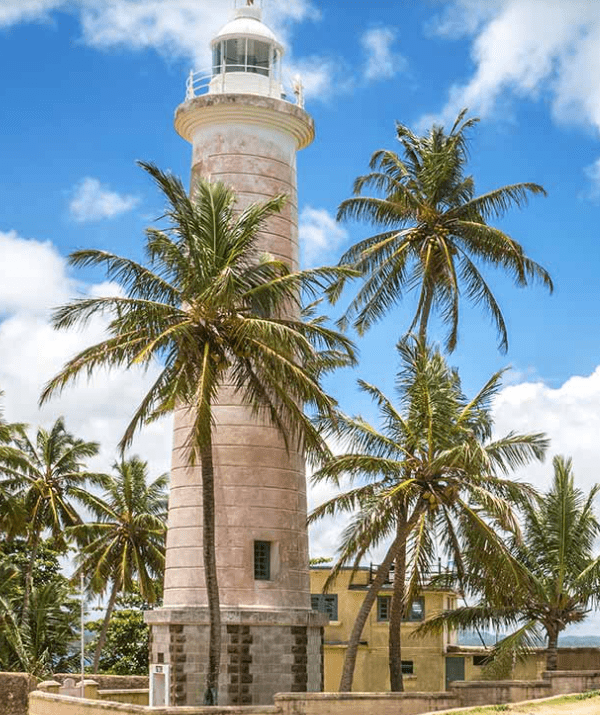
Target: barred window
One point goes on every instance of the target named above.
(408, 667)
(262, 560)
(325, 603)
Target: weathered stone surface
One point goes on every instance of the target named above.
(14, 692)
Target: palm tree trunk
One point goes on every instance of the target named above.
(104, 631)
(397, 609)
(363, 614)
(552, 652)
(211, 696)
(29, 578)
(424, 321)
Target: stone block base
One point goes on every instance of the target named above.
(263, 652)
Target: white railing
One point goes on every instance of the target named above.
(247, 79)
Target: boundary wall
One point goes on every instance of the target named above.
(460, 695)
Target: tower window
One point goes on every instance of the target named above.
(326, 603)
(258, 57)
(262, 560)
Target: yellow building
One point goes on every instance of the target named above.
(427, 662)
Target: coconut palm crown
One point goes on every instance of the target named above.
(561, 573)
(431, 480)
(209, 308)
(435, 234)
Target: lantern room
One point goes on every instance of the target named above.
(246, 56)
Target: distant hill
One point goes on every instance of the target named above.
(473, 639)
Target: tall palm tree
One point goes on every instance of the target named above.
(125, 544)
(431, 477)
(211, 309)
(435, 233)
(49, 477)
(12, 513)
(562, 583)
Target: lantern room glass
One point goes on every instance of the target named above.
(244, 55)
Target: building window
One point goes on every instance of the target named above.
(325, 603)
(417, 609)
(383, 608)
(262, 560)
(408, 667)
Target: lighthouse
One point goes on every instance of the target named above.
(245, 132)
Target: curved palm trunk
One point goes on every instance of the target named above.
(29, 578)
(552, 652)
(397, 609)
(363, 614)
(211, 696)
(103, 633)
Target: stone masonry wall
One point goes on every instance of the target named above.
(14, 691)
(258, 660)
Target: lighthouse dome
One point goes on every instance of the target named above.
(247, 23)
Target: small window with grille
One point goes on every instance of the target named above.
(262, 560)
(325, 603)
(408, 667)
(383, 608)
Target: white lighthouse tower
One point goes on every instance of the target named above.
(244, 132)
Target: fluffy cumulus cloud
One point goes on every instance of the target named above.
(569, 415)
(92, 201)
(593, 173)
(525, 48)
(382, 62)
(31, 352)
(320, 236)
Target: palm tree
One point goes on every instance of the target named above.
(431, 477)
(125, 544)
(562, 581)
(48, 476)
(12, 516)
(435, 233)
(210, 309)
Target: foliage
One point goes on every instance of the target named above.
(126, 649)
(209, 308)
(436, 234)
(123, 549)
(561, 574)
(431, 481)
(43, 642)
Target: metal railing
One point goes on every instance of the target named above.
(209, 82)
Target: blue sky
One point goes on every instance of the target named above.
(89, 86)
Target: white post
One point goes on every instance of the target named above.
(82, 590)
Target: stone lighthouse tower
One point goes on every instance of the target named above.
(245, 132)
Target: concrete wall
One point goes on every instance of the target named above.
(14, 691)
(110, 682)
(132, 697)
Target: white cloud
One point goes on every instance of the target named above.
(569, 415)
(381, 61)
(525, 47)
(32, 275)
(14, 11)
(31, 352)
(92, 201)
(320, 236)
